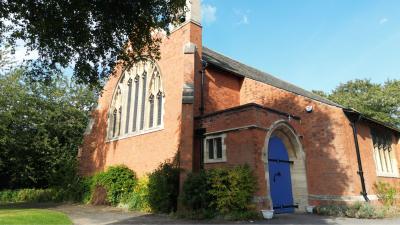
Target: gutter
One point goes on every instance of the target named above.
(354, 117)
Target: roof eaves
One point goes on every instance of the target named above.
(367, 118)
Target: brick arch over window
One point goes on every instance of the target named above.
(288, 135)
(137, 105)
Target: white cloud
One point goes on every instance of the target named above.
(243, 17)
(208, 13)
(383, 20)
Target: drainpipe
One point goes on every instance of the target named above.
(202, 130)
(354, 118)
(203, 68)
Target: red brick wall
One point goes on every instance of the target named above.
(143, 153)
(327, 136)
(222, 90)
(367, 157)
(245, 146)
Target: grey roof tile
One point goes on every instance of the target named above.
(240, 69)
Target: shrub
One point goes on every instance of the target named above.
(386, 193)
(231, 189)
(331, 210)
(227, 191)
(366, 211)
(118, 181)
(164, 188)
(195, 191)
(30, 195)
(79, 191)
(356, 210)
(139, 198)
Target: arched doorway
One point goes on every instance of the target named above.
(285, 169)
(280, 182)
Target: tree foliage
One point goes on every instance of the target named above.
(41, 128)
(379, 101)
(6, 61)
(91, 34)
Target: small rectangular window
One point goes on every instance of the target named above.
(214, 149)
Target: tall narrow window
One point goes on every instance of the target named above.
(210, 146)
(143, 100)
(151, 111)
(386, 164)
(218, 144)
(119, 120)
(141, 97)
(128, 107)
(136, 103)
(159, 108)
(114, 123)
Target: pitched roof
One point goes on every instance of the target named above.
(239, 69)
(225, 63)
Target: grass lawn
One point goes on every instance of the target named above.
(32, 216)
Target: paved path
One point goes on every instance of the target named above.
(87, 215)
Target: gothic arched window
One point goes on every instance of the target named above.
(138, 101)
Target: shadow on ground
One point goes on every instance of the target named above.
(90, 215)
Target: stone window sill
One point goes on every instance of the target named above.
(389, 175)
(137, 133)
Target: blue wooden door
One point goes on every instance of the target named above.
(279, 176)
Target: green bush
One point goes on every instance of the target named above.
(356, 210)
(139, 198)
(195, 191)
(30, 195)
(118, 181)
(386, 193)
(164, 188)
(232, 189)
(331, 210)
(75, 192)
(225, 190)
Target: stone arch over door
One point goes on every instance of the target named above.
(283, 130)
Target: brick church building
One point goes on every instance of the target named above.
(207, 110)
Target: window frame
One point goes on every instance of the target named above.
(379, 152)
(135, 75)
(206, 158)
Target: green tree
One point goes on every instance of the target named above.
(378, 101)
(41, 128)
(6, 61)
(91, 34)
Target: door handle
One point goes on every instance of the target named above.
(277, 174)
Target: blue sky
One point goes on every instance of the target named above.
(316, 44)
